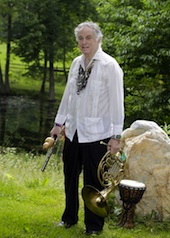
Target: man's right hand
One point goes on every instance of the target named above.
(55, 131)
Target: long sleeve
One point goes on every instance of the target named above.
(97, 112)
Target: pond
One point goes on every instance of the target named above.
(25, 122)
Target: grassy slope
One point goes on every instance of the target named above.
(24, 85)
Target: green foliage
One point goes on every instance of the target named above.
(137, 35)
(166, 128)
(50, 29)
(40, 31)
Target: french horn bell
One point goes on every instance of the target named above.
(110, 172)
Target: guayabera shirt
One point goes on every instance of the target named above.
(97, 111)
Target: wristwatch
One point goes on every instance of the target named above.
(116, 137)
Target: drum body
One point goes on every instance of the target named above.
(131, 193)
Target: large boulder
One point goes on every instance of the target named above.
(147, 150)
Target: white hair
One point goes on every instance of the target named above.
(94, 26)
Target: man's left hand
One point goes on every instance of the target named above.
(113, 146)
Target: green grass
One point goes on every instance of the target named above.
(32, 202)
(24, 84)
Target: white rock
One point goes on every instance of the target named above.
(147, 148)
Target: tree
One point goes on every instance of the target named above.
(138, 36)
(6, 12)
(44, 32)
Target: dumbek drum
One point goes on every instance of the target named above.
(131, 192)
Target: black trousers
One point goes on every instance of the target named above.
(78, 157)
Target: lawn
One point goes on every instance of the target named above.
(23, 83)
(32, 202)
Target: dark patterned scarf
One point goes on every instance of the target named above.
(83, 77)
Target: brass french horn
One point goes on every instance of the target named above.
(110, 172)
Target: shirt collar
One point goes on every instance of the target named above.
(95, 57)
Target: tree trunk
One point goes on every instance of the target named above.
(7, 86)
(44, 75)
(51, 86)
(64, 63)
(1, 81)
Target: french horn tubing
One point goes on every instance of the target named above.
(110, 172)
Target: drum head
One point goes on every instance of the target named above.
(132, 183)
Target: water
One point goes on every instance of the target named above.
(25, 122)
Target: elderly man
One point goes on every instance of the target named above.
(92, 109)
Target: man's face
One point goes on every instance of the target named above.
(87, 42)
